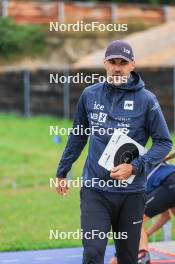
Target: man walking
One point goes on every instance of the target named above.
(127, 106)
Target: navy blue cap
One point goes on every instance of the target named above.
(119, 49)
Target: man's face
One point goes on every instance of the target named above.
(118, 70)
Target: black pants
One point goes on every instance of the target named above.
(162, 198)
(102, 210)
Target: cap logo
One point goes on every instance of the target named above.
(126, 51)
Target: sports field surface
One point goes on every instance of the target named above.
(29, 207)
(74, 255)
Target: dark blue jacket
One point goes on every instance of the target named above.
(155, 179)
(129, 107)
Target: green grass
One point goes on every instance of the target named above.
(28, 158)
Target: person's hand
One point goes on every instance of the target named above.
(61, 186)
(121, 172)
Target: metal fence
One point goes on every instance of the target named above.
(31, 93)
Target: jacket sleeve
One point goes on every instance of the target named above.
(76, 141)
(157, 129)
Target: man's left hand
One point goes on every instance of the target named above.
(121, 172)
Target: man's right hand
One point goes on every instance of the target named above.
(61, 186)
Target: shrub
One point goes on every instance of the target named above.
(20, 39)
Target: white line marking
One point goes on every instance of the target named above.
(10, 260)
(43, 258)
(74, 256)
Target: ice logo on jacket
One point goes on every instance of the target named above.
(101, 116)
(98, 106)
